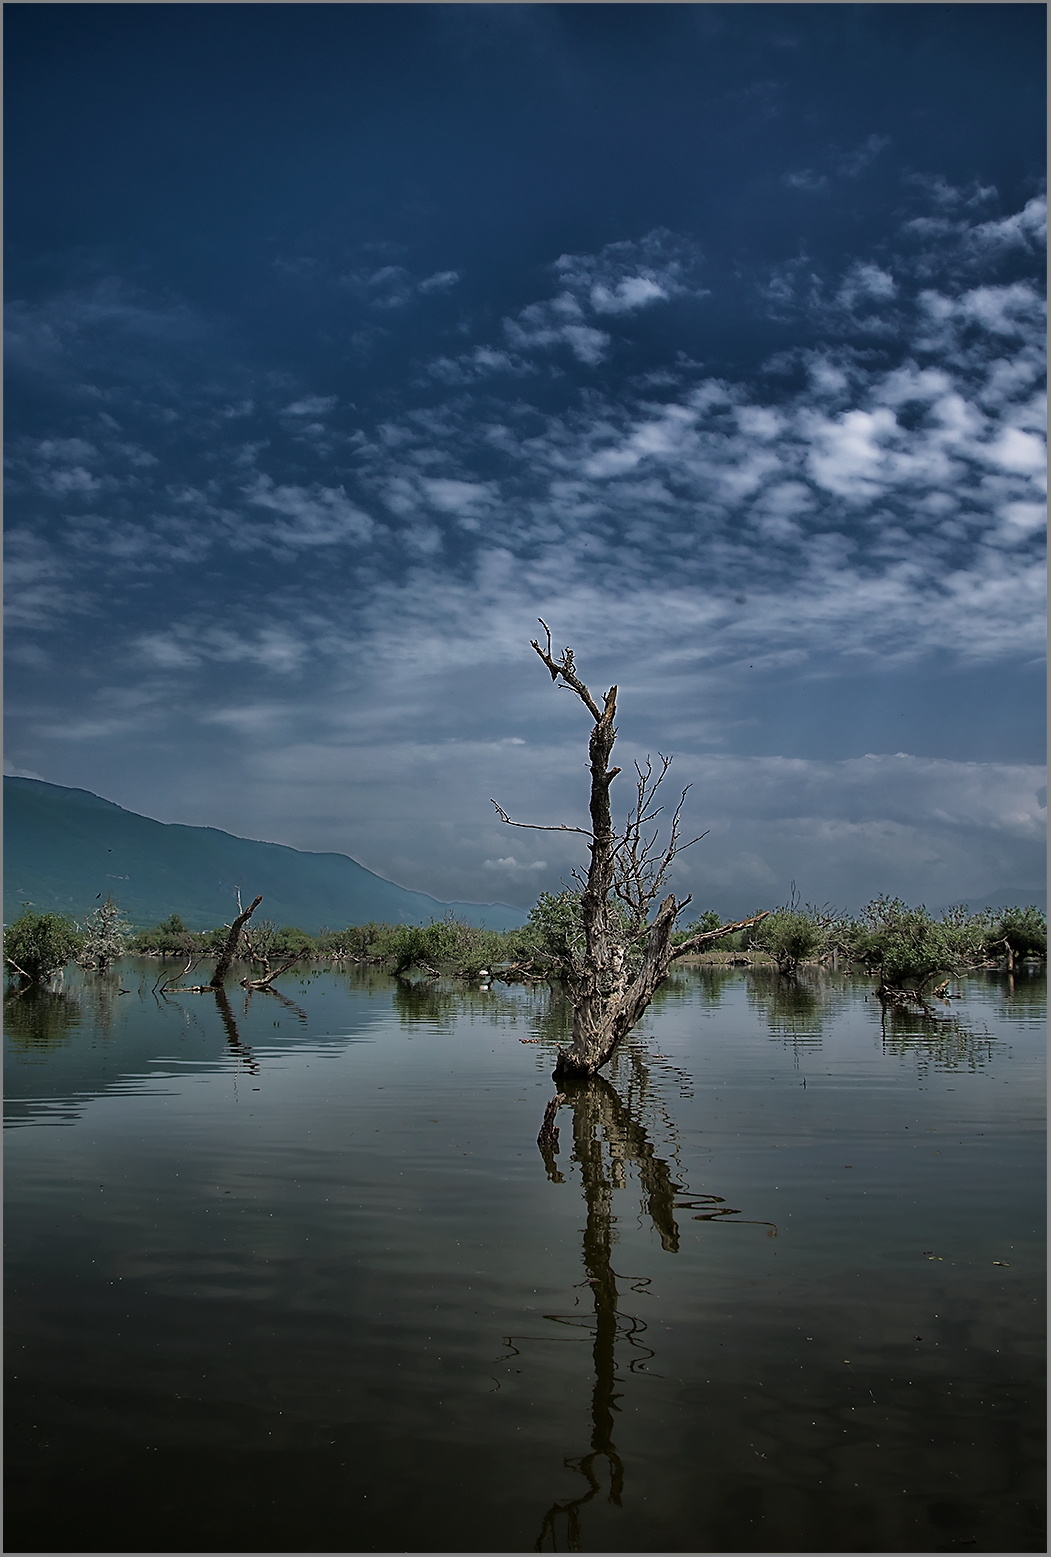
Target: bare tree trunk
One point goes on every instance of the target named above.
(600, 983)
(593, 1045)
(607, 999)
(229, 951)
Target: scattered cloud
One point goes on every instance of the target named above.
(871, 501)
(393, 286)
(622, 279)
(186, 647)
(305, 517)
(311, 405)
(838, 165)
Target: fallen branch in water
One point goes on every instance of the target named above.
(265, 983)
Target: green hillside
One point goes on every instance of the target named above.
(66, 848)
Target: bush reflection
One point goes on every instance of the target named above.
(38, 1019)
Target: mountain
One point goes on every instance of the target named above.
(65, 849)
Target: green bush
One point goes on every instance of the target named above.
(170, 938)
(291, 941)
(907, 948)
(554, 932)
(709, 920)
(38, 945)
(1024, 930)
(443, 946)
(790, 935)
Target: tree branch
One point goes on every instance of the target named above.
(265, 983)
(539, 827)
(704, 936)
(567, 670)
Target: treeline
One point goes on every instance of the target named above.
(445, 946)
(907, 949)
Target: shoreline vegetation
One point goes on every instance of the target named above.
(909, 951)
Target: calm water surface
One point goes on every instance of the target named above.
(292, 1274)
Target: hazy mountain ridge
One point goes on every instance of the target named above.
(65, 849)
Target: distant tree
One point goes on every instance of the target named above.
(1021, 932)
(168, 939)
(907, 948)
(794, 933)
(555, 930)
(107, 935)
(709, 920)
(626, 954)
(38, 945)
(291, 941)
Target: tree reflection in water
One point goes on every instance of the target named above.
(607, 1137)
(38, 1019)
(797, 1007)
(941, 1042)
(233, 1037)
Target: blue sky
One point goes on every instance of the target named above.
(344, 341)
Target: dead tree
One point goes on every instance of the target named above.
(229, 951)
(626, 955)
(258, 946)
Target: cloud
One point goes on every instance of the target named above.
(843, 164)
(805, 178)
(850, 163)
(308, 517)
(392, 286)
(187, 646)
(441, 281)
(871, 502)
(622, 279)
(861, 504)
(1025, 229)
(866, 281)
(38, 598)
(107, 316)
(311, 405)
(1014, 310)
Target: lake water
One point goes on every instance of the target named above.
(293, 1275)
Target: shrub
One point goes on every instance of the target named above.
(1024, 930)
(169, 938)
(291, 941)
(445, 945)
(790, 935)
(709, 920)
(554, 932)
(906, 947)
(38, 945)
